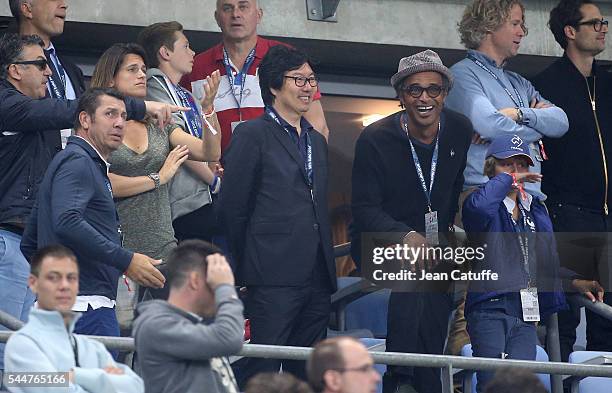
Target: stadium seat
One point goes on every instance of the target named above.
(541, 356)
(591, 384)
(360, 305)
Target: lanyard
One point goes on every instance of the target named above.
(417, 164)
(523, 238)
(57, 70)
(519, 103)
(308, 163)
(240, 78)
(192, 117)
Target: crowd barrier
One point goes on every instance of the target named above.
(448, 364)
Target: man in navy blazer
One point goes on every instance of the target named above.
(273, 205)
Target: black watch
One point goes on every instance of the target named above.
(155, 177)
(519, 116)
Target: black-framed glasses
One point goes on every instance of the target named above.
(300, 81)
(597, 24)
(416, 90)
(41, 64)
(366, 368)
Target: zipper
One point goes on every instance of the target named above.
(601, 145)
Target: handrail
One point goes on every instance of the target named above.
(394, 358)
(599, 308)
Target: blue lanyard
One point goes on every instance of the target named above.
(417, 164)
(240, 78)
(519, 103)
(523, 238)
(194, 120)
(58, 70)
(308, 163)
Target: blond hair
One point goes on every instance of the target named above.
(485, 16)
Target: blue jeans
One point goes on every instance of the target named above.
(494, 328)
(16, 298)
(99, 322)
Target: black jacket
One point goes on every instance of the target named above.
(387, 193)
(29, 139)
(274, 227)
(574, 172)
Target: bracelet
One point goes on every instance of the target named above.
(216, 185)
(209, 114)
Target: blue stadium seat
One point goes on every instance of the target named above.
(590, 384)
(361, 306)
(541, 356)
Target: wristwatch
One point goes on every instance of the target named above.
(155, 177)
(519, 116)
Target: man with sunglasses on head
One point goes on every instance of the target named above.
(579, 196)
(273, 205)
(408, 169)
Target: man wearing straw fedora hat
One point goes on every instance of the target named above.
(407, 176)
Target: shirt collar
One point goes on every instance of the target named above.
(97, 152)
(261, 48)
(304, 124)
(51, 49)
(484, 58)
(525, 203)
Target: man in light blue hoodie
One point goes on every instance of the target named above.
(46, 344)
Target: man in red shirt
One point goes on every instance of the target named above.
(241, 50)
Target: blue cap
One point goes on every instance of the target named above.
(507, 146)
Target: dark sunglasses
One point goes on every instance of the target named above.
(415, 90)
(41, 64)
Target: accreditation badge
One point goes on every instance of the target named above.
(431, 228)
(530, 305)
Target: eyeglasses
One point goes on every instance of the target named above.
(42, 64)
(300, 81)
(597, 24)
(415, 90)
(361, 369)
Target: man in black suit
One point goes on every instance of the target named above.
(45, 18)
(274, 208)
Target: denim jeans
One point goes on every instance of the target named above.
(495, 330)
(16, 298)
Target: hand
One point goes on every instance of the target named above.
(218, 171)
(415, 240)
(512, 113)
(478, 140)
(175, 159)
(539, 105)
(219, 271)
(528, 177)
(142, 270)
(113, 370)
(210, 91)
(589, 289)
(163, 112)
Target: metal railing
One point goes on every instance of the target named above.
(449, 364)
